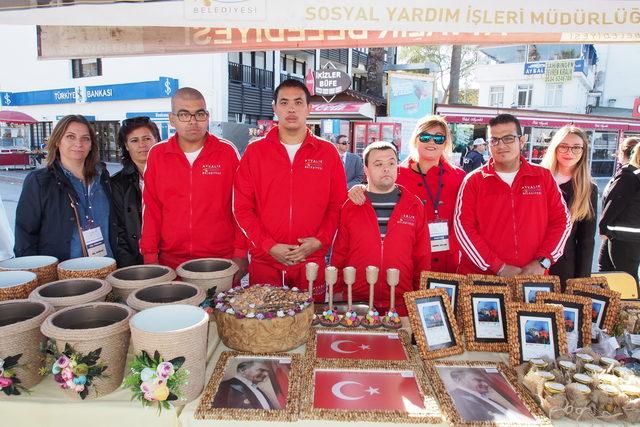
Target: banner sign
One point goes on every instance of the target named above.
(559, 71)
(410, 95)
(541, 67)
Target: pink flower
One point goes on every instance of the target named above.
(5, 382)
(67, 374)
(145, 387)
(78, 388)
(165, 370)
(149, 396)
(70, 384)
(63, 361)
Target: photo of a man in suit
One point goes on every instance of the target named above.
(243, 391)
(353, 166)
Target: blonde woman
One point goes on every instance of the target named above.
(568, 160)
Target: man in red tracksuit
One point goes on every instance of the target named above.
(388, 231)
(188, 184)
(510, 217)
(287, 195)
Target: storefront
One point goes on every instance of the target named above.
(15, 139)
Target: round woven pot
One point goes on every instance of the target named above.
(208, 273)
(90, 267)
(17, 284)
(44, 266)
(89, 327)
(20, 322)
(128, 279)
(174, 331)
(265, 335)
(165, 293)
(69, 292)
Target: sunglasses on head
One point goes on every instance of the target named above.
(426, 137)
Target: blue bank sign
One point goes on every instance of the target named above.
(540, 67)
(164, 87)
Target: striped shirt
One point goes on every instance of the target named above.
(384, 204)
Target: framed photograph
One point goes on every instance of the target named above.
(484, 317)
(576, 313)
(605, 304)
(358, 344)
(253, 387)
(526, 287)
(433, 323)
(482, 393)
(485, 280)
(349, 390)
(535, 331)
(447, 281)
(594, 281)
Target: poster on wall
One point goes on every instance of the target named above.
(410, 95)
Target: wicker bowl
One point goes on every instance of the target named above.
(44, 266)
(208, 273)
(86, 267)
(128, 279)
(165, 293)
(69, 292)
(17, 284)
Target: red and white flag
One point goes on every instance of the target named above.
(335, 345)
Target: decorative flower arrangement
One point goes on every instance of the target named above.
(73, 370)
(330, 317)
(9, 382)
(371, 319)
(392, 320)
(350, 319)
(156, 381)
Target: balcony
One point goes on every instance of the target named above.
(251, 76)
(285, 76)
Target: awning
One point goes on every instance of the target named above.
(7, 116)
(334, 110)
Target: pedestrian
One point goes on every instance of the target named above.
(187, 194)
(135, 138)
(65, 209)
(288, 191)
(475, 158)
(6, 235)
(510, 217)
(352, 163)
(567, 159)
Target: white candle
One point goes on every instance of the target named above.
(372, 278)
(393, 278)
(331, 277)
(349, 274)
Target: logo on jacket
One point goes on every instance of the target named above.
(407, 219)
(313, 164)
(211, 169)
(532, 190)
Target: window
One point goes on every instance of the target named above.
(553, 96)
(496, 96)
(259, 60)
(234, 57)
(525, 93)
(553, 52)
(86, 67)
(506, 54)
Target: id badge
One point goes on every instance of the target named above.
(439, 233)
(94, 241)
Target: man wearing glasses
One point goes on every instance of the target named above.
(188, 184)
(353, 166)
(510, 217)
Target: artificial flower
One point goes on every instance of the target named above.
(81, 369)
(81, 380)
(67, 374)
(147, 374)
(5, 382)
(165, 370)
(8, 373)
(79, 388)
(63, 361)
(55, 369)
(161, 392)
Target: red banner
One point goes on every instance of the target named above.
(359, 346)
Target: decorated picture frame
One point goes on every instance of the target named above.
(576, 315)
(228, 397)
(484, 317)
(605, 304)
(535, 331)
(593, 281)
(527, 286)
(448, 281)
(488, 280)
(433, 323)
(393, 347)
(508, 403)
(351, 390)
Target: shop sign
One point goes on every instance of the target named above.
(559, 71)
(541, 67)
(337, 107)
(329, 82)
(155, 116)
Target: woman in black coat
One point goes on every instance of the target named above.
(135, 139)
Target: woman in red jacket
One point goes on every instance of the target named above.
(428, 174)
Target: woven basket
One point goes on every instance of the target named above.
(128, 279)
(208, 273)
(174, 331)
(86, 267)
(91, 326)
(69, 292)
(45, 267)
(17, 284)
(165, 293)
(20, 322)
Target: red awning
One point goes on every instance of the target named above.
(16, 117)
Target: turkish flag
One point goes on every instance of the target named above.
(369, 391)
(337, 345)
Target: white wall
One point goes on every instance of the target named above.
(620, 64)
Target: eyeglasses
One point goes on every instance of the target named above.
(141, 120)
(576, 149)
(185, 116)
(343, 143)
(426, 137)
(506, 140)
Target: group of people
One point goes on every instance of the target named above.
(292, 198)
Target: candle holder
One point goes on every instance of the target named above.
(330, 316)
(391, 320)
(372, 318)
(350, 318)
(311, 270)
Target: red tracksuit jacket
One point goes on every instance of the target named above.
(497, 224)
(444, 262)
(187, 210)
(276, 201)
(406, 247)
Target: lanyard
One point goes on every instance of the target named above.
(435, 201)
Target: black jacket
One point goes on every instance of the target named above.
(233, 393)
(44, 218)
(472, 161)
(621, 206)
(127, 207)
(577, 257)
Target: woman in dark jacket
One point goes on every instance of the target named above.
(135, 139)
(620, 222)
(567, 159)
(64, 209)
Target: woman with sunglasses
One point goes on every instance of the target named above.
(428, 174)
(135, 138)
(568, 160)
